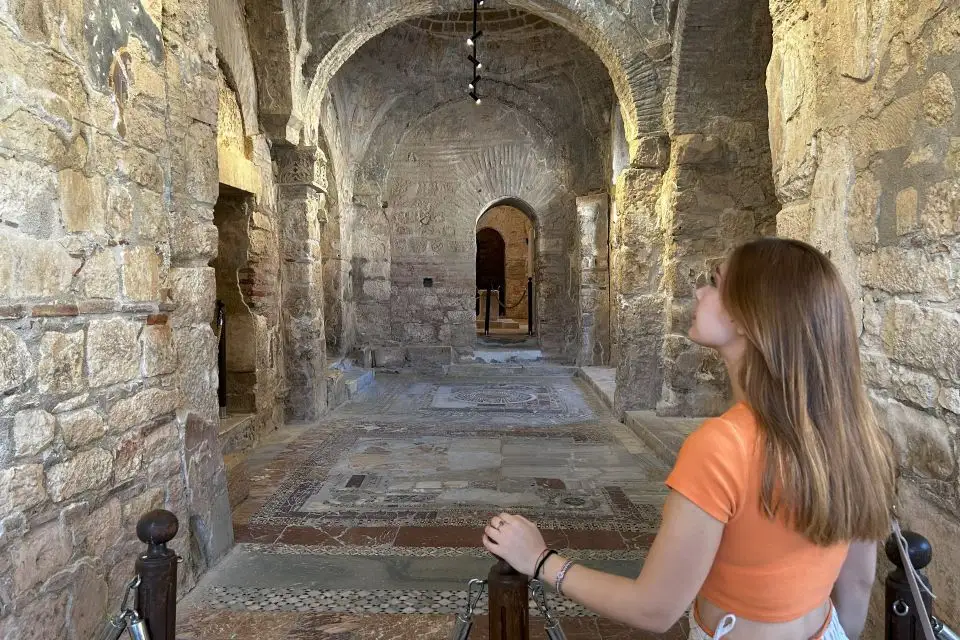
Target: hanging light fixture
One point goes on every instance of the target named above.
(474, 60)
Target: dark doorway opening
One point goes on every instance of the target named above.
(491, 263)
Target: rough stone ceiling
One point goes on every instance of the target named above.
(631, 37)
(420, 66)
(494, 23)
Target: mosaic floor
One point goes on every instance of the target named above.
(368, 523)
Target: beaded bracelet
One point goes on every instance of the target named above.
(563, 574)
(542, 560)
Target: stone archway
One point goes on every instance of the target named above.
(516, 228)
(628, 47)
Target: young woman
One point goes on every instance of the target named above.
(775, 507)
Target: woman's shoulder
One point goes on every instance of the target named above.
(734, 431)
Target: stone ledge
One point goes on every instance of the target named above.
(664, 436)
(603, 382)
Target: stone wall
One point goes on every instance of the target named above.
(705, 187)
(108, 176)
(425, 168)
(454, 171)
(864, 132)
(517, 232)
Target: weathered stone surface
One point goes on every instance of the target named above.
(907, 201)
(61, 362)
(939, 100)
(102, 528)
(86, 470)
(790, 87)
(33, 430)
(80, 200)
(196, 353)
(949, 399)
(16, 365)
(31, 268)
(194, 293)
(37, 618)
(925, 338)
(192, 237)
(899, 270)
(159, 352)
(81, 427)
(940, 215)
(142, 408)
(128, 457)
(916, 388)
(26, 193)
(113, 353)
(207, 482)
(923, 442)
(39, 556)
(141, 273)
(21, 487)
(88, 599)
(99, 275)
(862, 224)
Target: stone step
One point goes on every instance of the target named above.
(237, 433)
(356, 380)
(603, 381)
(502, 323)
(238, 478)
(508, 369)
(663, 435)
(513, 356)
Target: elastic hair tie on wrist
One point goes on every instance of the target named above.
(543, 561)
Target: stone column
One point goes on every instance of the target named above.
(302, 205)
(592, 215)
(636, 285)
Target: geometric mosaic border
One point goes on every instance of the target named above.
(426, 552)
(364, 602)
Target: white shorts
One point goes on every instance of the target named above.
(831, 628)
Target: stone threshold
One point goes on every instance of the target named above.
(508, 369)
(602, 381)
(664, 436)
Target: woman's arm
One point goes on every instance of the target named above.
(851, 591)
(675, 569)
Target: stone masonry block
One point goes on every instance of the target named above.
(113, 352)
(33, 430)
(61, 362)
(87, 470)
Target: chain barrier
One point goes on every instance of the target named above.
(464, 621)
(128, 619)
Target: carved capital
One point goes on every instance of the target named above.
(301, 166)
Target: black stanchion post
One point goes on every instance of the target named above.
(157, 568)
(530, 306)
(222, 358)
(486, 313)
(901, 621)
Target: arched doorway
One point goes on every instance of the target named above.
(505, 263)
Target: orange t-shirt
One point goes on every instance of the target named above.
(764, 570)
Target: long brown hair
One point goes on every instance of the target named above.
(828, 466)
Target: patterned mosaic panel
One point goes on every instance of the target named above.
(524, 398)
(389, 475)
(366, 602)
(520, 403)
